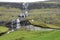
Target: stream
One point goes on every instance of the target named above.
(30, 27)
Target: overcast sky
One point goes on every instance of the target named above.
(21, 0)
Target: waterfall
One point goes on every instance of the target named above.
(18, 23)
(25, 8)
(22, 15)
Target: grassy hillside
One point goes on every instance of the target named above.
(49, 17)
(45, 17)
(7, 14)
(32, 35)
(3, 29)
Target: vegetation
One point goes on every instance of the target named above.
(45, 17)
(3, 29)
(32, 35)
(7, 14)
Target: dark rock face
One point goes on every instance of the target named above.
(43, 5)
(2, 33)
(25, 22)
(8, 24)
(31, 5)
(2, 23)
(8, 4)
(22, 23)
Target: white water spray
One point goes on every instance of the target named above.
(25, 8)
(18, 23)
(24, 14)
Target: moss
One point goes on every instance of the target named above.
(3, 29)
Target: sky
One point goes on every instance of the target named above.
(21, 0)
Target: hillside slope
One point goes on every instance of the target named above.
(32, 35)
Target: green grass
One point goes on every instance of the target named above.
(3, 29)
(45, 17)
(52, 36)
(32, 35)
(8, 14)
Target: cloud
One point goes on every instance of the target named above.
(21, 0)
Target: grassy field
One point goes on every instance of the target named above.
(32, 35)
(7, 14)
(3, 29)
(45, 17)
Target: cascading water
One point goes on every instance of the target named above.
(24, 14)
(25, 8)
(18, 23)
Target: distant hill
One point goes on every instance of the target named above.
(13, 5)
(35, 5)
(55, 0)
